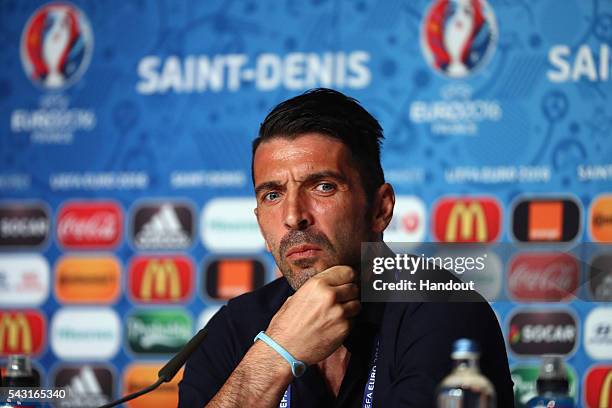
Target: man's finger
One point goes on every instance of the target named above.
(338, 275)
(346, 292)
(351, 308)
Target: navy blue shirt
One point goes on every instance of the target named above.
(414, 351)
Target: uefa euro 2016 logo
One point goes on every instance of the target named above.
(56, 45)
(458, 36)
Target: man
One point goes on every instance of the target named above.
(320, 193)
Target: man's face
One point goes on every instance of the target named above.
(311, 206)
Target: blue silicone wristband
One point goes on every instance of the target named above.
(297, 367)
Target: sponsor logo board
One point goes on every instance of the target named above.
(600, 219)
(543, 277)
(227, 278)
(229, 225)
(158, 331)
(90, 225)
(85, 333)
(80, 279)
(473, 219)
(598, 333)
(600, 277)
(408, 222)
(533, 333)
(161, 279)
(88, 386)
(24, 280)
(139, 376)
(164, 225)
(546, 220)
(21, 332)
(598, 387)
(23, 225)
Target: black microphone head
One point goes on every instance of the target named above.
(168, 371)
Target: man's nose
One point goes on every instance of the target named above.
(297, 215)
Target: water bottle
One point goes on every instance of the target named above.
(465, 386)
(552, 385)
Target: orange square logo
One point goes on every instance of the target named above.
(601, 219)
(546, 221)
(235, 277)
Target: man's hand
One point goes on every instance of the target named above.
(314, 322)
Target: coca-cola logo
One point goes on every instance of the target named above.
(544, 277)
(535, 333)
(90, 225)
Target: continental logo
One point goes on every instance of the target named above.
(474, 219)
(546, 220)
(598, 387)
(139, 376)
(161, 279)
(87, 279)
(600, 220)
(227, 278)
(21, 332)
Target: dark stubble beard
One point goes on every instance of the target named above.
(307, 270)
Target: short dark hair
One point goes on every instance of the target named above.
(333, 114)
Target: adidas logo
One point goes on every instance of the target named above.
(84, 390)
(163, 230)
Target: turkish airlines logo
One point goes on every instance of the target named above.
(228, 278)
(546, 277)
(546, 220)
(548, 332)
(87, 225)
(408, 222)
(598, 387)
(161, 279)
(88, 386)
(476, 219)
(21, 332)
(600, 221)
(163, 226)
(23, 225)
(600, 278)
(24, 280)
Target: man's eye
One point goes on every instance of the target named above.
(325, 187)
(271, 196)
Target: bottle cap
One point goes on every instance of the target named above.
(18, 366)
(553, 375)
(465, 348)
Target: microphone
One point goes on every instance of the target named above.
(167, 372)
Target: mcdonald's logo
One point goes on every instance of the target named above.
(21, 332)
(165, 279)
(474, 219)
(598, 387)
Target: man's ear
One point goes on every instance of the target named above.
(382, 210)
(260, 231)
